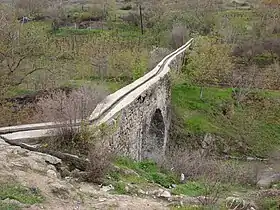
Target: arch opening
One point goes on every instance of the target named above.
(153, 142)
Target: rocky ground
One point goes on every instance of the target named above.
(42, 173)
(38, 171)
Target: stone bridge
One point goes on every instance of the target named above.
(141, 112)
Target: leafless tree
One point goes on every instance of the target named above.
(19, 48)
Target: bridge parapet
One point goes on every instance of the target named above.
(141, 109)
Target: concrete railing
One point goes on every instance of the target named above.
(104, 110)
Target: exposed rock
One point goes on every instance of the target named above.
(15, 202)
(126, 188)
(75, 173)
(173, 185)
(107, 188)
(33, 169)
(51, 159)
(239, 204)
(88, 189)
(183, 178)
(165, 194)
(267, 181)
(240, 3)
(51, 167)
(156, 192)
(160, 193)
(184, 200)
(3, 143)
(51, 173)
(102, 199)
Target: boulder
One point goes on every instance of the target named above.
(107, 188)
(268, 181)
(165, 194)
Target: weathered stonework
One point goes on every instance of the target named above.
(140, 113)
(143, 126)
(134, 122)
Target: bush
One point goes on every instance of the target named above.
(14, 114)
(58, 106)
(126, 7)
(100, 156)
(179, 36)
(85, 141)
(68, 108)
(196, 166)
(132, 19)
(269, 203)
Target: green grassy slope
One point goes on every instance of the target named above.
(253, 128)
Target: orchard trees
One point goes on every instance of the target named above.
(209, 62)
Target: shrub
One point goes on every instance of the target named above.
(58, 106)
(87, 140)
(179, 35)
(196, 166)
(68, 108)
(269, 203)
(126, 7)
(100, 156)
(14, 114)
(132, 18)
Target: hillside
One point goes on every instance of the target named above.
(59, 59)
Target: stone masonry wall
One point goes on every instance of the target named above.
(133, 122)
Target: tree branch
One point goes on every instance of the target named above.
(29, 73)
(15, 65)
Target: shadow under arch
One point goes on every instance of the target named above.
(153, 143)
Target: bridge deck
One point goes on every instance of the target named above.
(104, 110)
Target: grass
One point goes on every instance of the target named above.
(191, 189)
(186, 96)
(20, 193)
(141, 175)
(148, 172)
(4, 206)
(148, 175)
(72, 31)
(198, 187)
(255, 124)
(269, 204)
(197, 113)
(17, 91)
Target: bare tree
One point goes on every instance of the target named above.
(19, 48)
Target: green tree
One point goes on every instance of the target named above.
(209, 63)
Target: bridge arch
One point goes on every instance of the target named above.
(153, 142)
